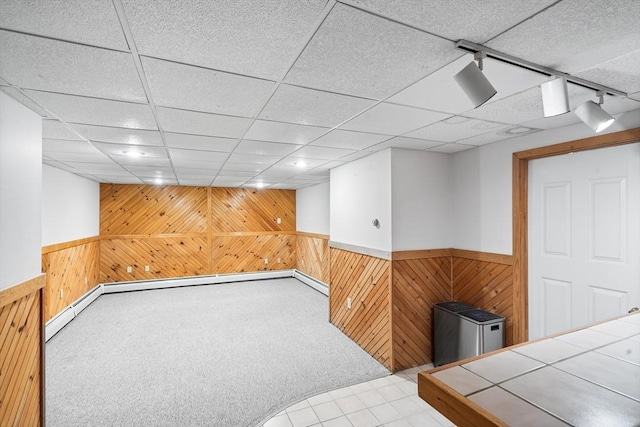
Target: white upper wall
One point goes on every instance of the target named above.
(70, 206)
(482, 185)
(312, 209)
(20, 192)
(361, 192)
(421, 200)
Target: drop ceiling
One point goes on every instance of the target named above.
(276, 93)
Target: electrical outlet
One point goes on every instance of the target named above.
(129, 269)
(349, 303)
(61, 293)
(278, 220)
(146, 268)
(266, 260)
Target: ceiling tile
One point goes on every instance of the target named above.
(3, 82)
(574, 35)
(295, 165)
(440, 92)
(127, 161)
(262, 130)
(326, 153)
(242, 36)
(195, 164)
(635, 96)
(349, 139)
(56, 164)
(88, 22)
(191, 122)
(467, 19)
(287, 185)
(450, 148)
(242, 169)
(394, 55)
(404, 142)
(119, 135)
(253, 158)
(312, 107)
(265, 148)
(123, 149)
(150, 171)
(197, 142)
(55, 66)
(152, 180)
(55, 129)
(66, 146)
(357, 155)
(392, 119)
(622, 73)
(455, 128)
(206, 90)
(24, 100)
(100, 168)
(197, 173)
(128, 179)
(499, 135)
(83, 110)
(194, 182)
(224, 181)
(80, 157)
(196, 155)
(326, 167)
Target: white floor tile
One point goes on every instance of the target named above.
(371, 398)
(303, 418)
(386, 413)
(380, 382)
(409, 388)
(297, 406)
(279, 421)
(399, 423)
(407, 406)
(327, 411)
(393, 379)
(318, 399)
(338, 422)
(362, 387)
(341, 392)
(391, 392)
(363, 418)
(423, 419)
(350, 404)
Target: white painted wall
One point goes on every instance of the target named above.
(482, 185)
(421, 200)
(70, 206)
(361, 192)
(20, 192)
(312, 209)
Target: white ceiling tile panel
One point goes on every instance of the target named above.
(54, 129)
(450, 148)
(454, 129)
(18, 96)
(198, 142)
(265, 148)
(195, 164)
(205, 90)
(81, 157)
(59, 165)
(194, 182)
(289, 133)
(123, 149)
(326, 153)
(3, 82)
(499, 135)
(127, 161)
(150, 171)
(196, 173)
(404, 142)
(635, 96)
(349, 139)
(360, 54)
(574, 35)
(393, 119)
(312, 107)
(89, 22)
(243, 36)
(67, 146)
(83, 110)
(119, 135)
(297, 165)
(327, 166)
(287, 185)
(242, 169)
(223, 181)
(191, 122)
(55, 66)
(152, 180)
(357, 155)
(622, 73)
(253, 158)
(467, 19)
(129, 179)
(196, 155)
(100, 168)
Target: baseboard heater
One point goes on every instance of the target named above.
(60, 320)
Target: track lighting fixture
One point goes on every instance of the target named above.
(555, 97)
(474, 83)
(593, 115)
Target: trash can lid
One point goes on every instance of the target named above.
(480, 316)
(455, 306)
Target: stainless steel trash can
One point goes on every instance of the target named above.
(461, 330)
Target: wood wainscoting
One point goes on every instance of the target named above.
(392, 299)
(188, 231)
(21, 354)
(72, 269)
(312, 255)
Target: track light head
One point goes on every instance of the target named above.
(474, 83)
(593, 115)
(555, 97)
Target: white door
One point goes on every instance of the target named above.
(584, 238)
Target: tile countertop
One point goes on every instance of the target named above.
(588, 377)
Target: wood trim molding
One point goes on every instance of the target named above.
(483, 256)
(15, 292)
(70, 244)
(255, 233)
(313, 235)
(376, 253)
(420, 254)
(520, 213)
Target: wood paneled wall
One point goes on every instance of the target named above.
(21, 350)
(366, 280)
(312, 255)
(72, 269)
(187, 231)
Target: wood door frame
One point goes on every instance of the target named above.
(521, 214)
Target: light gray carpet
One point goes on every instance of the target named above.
(220, 355)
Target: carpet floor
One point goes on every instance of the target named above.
(221, 355)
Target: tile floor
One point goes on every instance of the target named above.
(391, 401)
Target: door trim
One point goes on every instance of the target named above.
(520, 214)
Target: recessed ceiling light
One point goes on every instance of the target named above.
(158, 181)
(260, 184)
(301, 164)
(133, 153)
